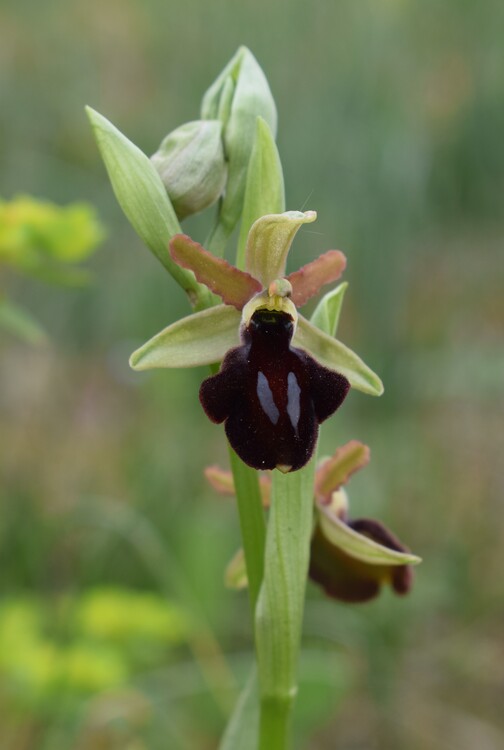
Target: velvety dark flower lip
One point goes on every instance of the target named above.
(272, 396)
(351, 559)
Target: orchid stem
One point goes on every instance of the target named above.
(252, 523)
(280, 605)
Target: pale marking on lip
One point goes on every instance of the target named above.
(266, 398)
(293, 399)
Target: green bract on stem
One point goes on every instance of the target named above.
(276, 376)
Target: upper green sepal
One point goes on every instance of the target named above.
(336, 356)
(269, 241)
(199, 339)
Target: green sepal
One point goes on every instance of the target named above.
(199, 339)
(264, 191)
(357, 545)
(336, 356)
(269, 241)
(142, 196)
(327, 313)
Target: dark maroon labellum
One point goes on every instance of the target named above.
(271, 396)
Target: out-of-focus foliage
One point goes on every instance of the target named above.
(41, 239)
(82, 646)
(37, 236)
(391, 115)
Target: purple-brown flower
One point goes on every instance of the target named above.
(351, 559)
(280, 376)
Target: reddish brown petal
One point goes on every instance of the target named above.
(308, 280)
(235, 287)
(337, 470)
(220, 480)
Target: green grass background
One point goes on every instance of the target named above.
(391, 116)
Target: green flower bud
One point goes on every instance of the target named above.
(237, 97)
(191, 164)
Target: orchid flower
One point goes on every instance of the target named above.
(350, 559)
(271, 395)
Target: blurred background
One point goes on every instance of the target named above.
(116, 630)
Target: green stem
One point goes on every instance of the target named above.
(252, 523)
(218, 238)
(279, 611)
(275, 723)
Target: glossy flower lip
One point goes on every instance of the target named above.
(205, 337)
(350, 559)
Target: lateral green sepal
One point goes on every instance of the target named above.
(199, 339)
(359, 546)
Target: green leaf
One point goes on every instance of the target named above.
(243, 727)
(269, 242)
(199, 339)
(279, 611)
(143, 198)
(357, 545)
(264, 191)
(327, 313)
(336, 356)
(19, 323)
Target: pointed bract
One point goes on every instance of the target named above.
(264, 190)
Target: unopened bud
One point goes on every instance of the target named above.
(191, 163)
